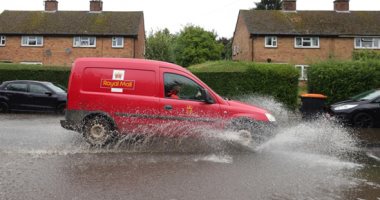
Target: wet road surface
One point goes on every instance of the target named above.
(307, 160)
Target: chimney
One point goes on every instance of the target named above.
(51, 5)
(289, 5)
(96, 6)
(342, 5)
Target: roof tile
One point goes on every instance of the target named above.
(70, 23)
(328, 23)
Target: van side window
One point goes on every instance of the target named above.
(181, 87)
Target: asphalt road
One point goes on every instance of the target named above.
(307, 160)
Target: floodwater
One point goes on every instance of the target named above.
(305, 160)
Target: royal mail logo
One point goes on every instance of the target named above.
(118, 76)
(109, 83)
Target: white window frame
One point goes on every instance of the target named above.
(31, 63)
(27, 40)
(3, 40)
(306, 40)
(115, 42)
(273, 41)
(374, 41)
(303, 75)
(80, 41)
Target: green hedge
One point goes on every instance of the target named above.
(231, 79)
(366, 55)
(341, 80)
(58, 75)
(227, 78)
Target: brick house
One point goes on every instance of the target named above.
(53, 37)
(303, 37)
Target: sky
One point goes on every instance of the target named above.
(213, 15)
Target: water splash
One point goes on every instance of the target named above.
(371, 155)
(283, 115)
(318, 136)
(216, 159)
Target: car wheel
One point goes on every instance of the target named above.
(363, 120)
(3, 107)
(61, 109)
(98, 131)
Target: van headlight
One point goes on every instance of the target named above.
(345, 107)
(270, 117)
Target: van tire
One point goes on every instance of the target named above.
(250, 131)
(98, 131)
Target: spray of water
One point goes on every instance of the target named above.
(319, 137)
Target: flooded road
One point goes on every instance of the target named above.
(305, 160)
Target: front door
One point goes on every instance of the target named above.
(184, 108)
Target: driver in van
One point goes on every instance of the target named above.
(174, 92)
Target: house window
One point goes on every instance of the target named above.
(367, 43)
(84, 42)
(271, 41)
(34, 41)
(117, 42)
(2, 40)
(306, 42)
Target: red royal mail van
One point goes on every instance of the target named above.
(111, 96)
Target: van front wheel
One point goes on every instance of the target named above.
(98, 131)
(251, 132)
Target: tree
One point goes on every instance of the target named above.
(227, 48)
(195, 45)
(159, 46)
(269, 5)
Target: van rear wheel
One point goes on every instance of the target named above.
(98, 131)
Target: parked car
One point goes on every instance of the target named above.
(362, 110)
(111, 96)
(25, 95)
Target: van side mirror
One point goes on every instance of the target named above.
(49, 93)
(206, 96)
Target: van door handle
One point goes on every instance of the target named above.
(168, 107)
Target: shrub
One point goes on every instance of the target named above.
(366, 55)
(341, 80)
(58, 75)
(227, 78)
(232, 79)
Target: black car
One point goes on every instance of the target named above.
(32, 96)
(362, 110)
